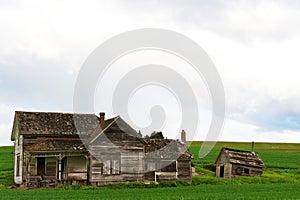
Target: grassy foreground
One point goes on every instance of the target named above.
(252, 191)
(281, 179)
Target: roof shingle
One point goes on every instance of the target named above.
(242, 157)
(51, 123)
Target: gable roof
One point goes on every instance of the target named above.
(166, 149)
(121, 124)
(241, 157)
(52, 123)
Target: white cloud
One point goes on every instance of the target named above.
(238, 131)
(5, 130)
(7, 114)
(6, 121)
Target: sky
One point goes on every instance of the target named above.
(254, 45)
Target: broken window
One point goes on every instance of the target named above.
(115, 167)
(246, 171)
(18, 166)
(168, 166)
(239, 170)
(151, 166)
(106, 167)
(111, 166)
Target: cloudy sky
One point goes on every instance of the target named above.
(254, 44)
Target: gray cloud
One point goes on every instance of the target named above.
(237, 20)
(37, 83)
(273, 115)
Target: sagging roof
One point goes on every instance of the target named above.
(166, 149)
(51, 123)
(241, 157)
(51, 126)
(57, 144)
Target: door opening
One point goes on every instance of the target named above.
(40, 166)
(222, 171)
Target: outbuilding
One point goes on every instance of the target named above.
(232, 163)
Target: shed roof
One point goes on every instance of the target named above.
(241, 157)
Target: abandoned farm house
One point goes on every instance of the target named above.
(65, 148)
(232, 163)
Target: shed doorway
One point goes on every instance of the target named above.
(222, 171)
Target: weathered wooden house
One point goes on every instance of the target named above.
(232, 163)
(65, 148)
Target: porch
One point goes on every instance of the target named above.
(55, 169)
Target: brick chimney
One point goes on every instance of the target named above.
(102, 116)
(183, 136)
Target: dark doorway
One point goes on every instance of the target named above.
(63, 164)
(41, 166)
(221, 171)
(63, 168)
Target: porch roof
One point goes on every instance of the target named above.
(57, 144)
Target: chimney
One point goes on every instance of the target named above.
(102, 116)
(183, 136)
(253, 147)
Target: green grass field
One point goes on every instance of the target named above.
(281, 179)
(274, 155)
(6, 166)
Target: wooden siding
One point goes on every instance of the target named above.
(184, 170)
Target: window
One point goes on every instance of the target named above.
(20, 139)
(111, 166)
(246, 171)
(50, 166)
(151, 166)
(106, 167)
(168, 166)
(18, 166)
(115, 167)
(239, 170)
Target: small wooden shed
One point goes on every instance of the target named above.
(232, 163)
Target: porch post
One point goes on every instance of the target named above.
(59, 167)
(176, 162)
(87, 169)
